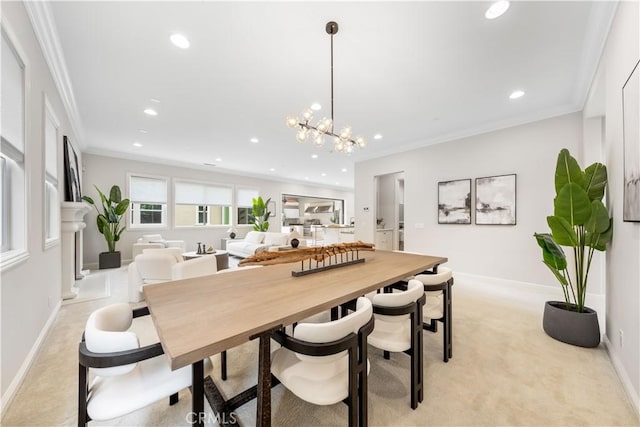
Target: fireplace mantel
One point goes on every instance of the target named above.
(72, 217)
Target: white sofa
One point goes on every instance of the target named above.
(259, 241)
(155, 241)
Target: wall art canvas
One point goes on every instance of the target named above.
(631, 137)
(496, 200)
(72, 191)
(454, 202)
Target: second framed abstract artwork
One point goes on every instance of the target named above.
(496, 200)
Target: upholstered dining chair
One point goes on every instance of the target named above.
(439, 306)
(125, 375)
(326, 363)
(398, 328)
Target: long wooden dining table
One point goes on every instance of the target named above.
(200, 317)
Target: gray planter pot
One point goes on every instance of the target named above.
(109, 260)
(571, 327)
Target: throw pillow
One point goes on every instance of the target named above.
(254, 237)
(275, 239)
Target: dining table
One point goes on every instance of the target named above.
(200, 317)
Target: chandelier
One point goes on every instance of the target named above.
(343, 141)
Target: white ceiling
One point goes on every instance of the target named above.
(416, 72)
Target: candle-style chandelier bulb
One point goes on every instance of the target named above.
(301, 135)
(322, 125)
(345, 133)
(360, 142)
(307, 114)
(292, 121)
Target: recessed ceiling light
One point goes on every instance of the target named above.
(323, 174)
(272, 169)
(179, 40)
(254, 140)
(344, 169)
(516, 94)
(143, 131)
(337, 182)
(315, 106)
(151, 112)
(314, 156)
(306, 178)
(377, 136)
(137, 144)
(157, 101)
(218, 159)
(496, 9)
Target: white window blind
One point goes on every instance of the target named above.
(245, 195)
(12, 116)
(191, 193)
(147, 190)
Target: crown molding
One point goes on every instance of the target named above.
(44, 27)
(595, 38)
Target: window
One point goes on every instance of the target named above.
(51, 200)
(148, 197)
(244, 203)
(201, 204)
(13, 199)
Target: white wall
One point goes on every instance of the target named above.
(30, 291)
(622, 51)
(506, 252)
(107, 171)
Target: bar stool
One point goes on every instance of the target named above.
(437, 287)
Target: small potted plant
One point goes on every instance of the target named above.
(108, 223)
(581, 222)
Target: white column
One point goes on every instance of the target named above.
(72, 225)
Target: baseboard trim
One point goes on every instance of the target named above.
(632, 394)
(528, 292)
(8, 395)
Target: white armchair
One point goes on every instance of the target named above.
(127, 374)
(161, 265)
(326, 363)
(155, 241)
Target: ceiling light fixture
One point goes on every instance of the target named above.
(254, 140)
(137, 144)
(516, 94)
(151, 112)
(179, 40)
(343, 142)
(496, 9)
(377, 136)
(316, 107)
(314, 156)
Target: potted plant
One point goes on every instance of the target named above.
(260, 214)
(108, 223)
(581, 222)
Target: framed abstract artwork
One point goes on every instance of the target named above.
(631, 150)
(71, 173)
(454, 202)
(496, 200)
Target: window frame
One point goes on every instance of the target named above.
(197, 226)
(48, 113)
(239, 206)
(132, 208)
(12, 257)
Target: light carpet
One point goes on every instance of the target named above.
(505, 371)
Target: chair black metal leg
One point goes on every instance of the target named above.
(386, 355)
(334, 313)
(450, 321)
(173, 399)
(353, 388)
(363, 387)
(83, 374)
(223, 365)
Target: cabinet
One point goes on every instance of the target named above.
(384, 240)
